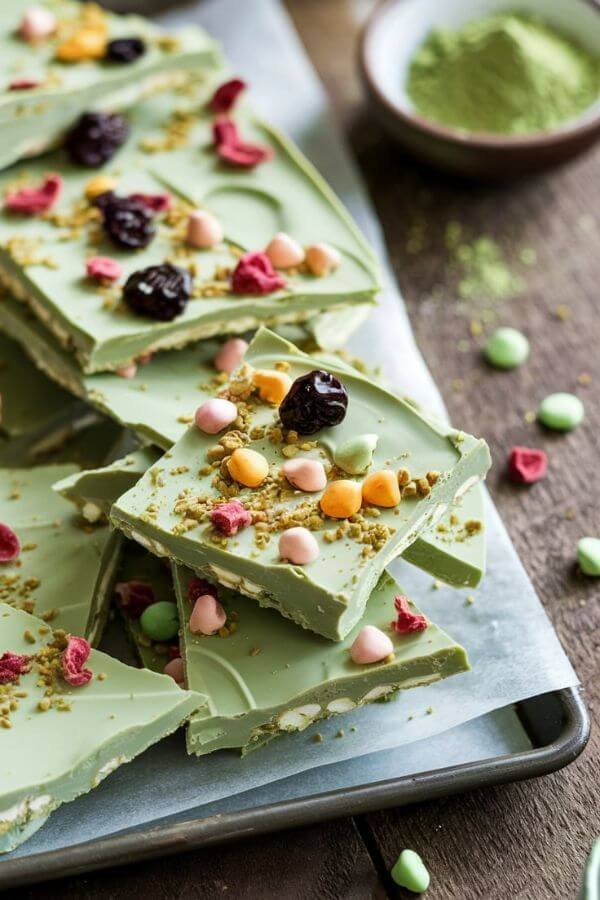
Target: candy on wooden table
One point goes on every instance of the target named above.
(561, 412)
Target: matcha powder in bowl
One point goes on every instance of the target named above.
(504, 74)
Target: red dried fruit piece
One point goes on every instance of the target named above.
(229, 517)
(527, 465)
(103, 268)
(254, 274)
(225, 96)
(73, 660)
(10, 546)
(407, 622)
(198, 587)
(12, 665)
(135, 596)
(23, 84)
(233, 150)
(154, 202)
(31, 201)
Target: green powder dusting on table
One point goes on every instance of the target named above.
(483, 272)
(507, 73)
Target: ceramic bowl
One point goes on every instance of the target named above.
(397, 29)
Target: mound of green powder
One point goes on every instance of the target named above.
(509, 74)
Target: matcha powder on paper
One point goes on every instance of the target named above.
(509, 74)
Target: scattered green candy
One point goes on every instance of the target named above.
(561, 412)
(410, 872)
(507, 348)
(355, 455)
(588, 554)
(160, 621)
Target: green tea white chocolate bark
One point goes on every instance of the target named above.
(267, 677)
(453, 550)
(65, 570)
(158, 401)
(170, 148)
(113, 718)
(18, 834)
(169, 510)
(35, 118)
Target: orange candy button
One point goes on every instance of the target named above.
(381, 489)
(272, 385)
(342, 499)
(248, 467)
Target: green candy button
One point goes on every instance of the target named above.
(506, 348)
(588, 554)
(410, 872)
(561, 412)
(160, 621)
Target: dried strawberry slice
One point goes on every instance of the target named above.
(229, 517)
(407, 622)
(12, 665)
(232, 149)
(73, 660)
(254, 274)
(10, 546)
(527, 465)
(34, 200)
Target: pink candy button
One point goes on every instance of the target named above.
(203, 231)
(208, 616)
(284, 252)
(322, 259)
(305, 474)
(298, 546)
(127, 371)
(215, 415)
(230, 355)
(37, 23)
(174, 668)
(370, 645)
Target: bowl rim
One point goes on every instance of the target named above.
(473, 139)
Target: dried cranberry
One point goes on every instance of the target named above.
(159, 292)
(125, 50)
(198, 587)
(135, 597)
(73, 660)
(316, 400)
(10, 546)
(96, 137)
(225, 96)
(128, 222)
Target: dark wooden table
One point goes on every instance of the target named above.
(525, 840)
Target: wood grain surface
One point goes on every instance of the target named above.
(528, 840)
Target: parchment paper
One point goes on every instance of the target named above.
(513, 649)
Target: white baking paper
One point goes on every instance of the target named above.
(513, 649)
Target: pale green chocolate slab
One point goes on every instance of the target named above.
(30, 401)
(65, 571)
(108, 721)
(329, 595)
(270, 678)
(94, 491)
(32, 121)
(18, 834)
(285, 193)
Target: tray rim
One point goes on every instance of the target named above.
(157, 840)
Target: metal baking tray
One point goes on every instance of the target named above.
(556, 723)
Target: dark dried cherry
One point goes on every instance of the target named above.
(129, 223)
(125, 50)
(158, 292)
(96, 137)
(316, 400)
